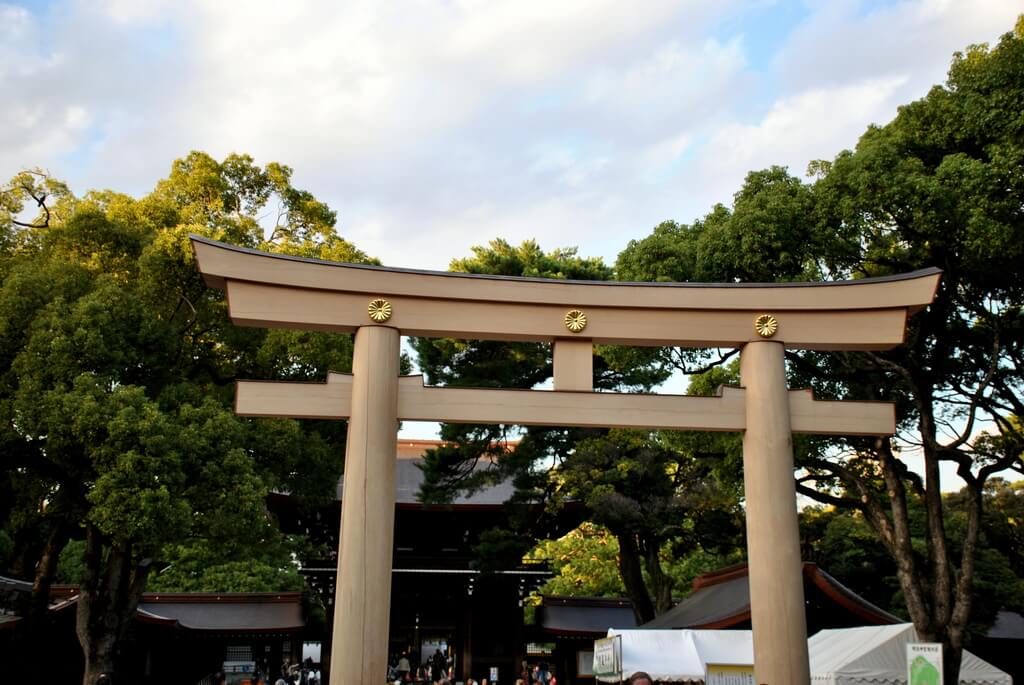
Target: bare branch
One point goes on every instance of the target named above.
(41, 203)
(825, 498)
(977, 396)
(682, 366)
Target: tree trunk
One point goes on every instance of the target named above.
(633, 578)
(47, 568)
(109, 595)
(39, 606)
(99, 661)
(661, 583)
(938, 606)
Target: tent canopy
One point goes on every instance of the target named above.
(872, 655)
(875, 655)
(679, 656)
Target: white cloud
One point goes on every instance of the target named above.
(431, 127)
(842, 43)
(794, 131)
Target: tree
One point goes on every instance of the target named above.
(938, 186)
(660, 498)
(631, 481)
(117, 367)
(844, 542)
(584, 562)
(481, 363)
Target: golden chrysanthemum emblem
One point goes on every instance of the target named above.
(575, 320)
(379, 310)
(766, 325)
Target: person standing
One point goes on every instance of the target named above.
(403, 667)
(437, 664)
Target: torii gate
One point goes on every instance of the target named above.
(381, 304)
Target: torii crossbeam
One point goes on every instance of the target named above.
(380, 304)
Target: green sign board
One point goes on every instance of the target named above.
(924, 663)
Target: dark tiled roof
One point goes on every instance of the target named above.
(239, 612)
(584, 616)
(15, 585)
(235, 612)
(1009, 625)
(409, 477)
(721, 599)
(8, 622)
(727, 602)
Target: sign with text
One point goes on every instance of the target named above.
(729, 674)
(924, 663)
(608, 656)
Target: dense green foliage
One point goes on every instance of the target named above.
(117, 367)
(939, 186)
(477, 363)
(631, 482)
(844, 543)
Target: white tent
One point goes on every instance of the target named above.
(679, 656)
(877, 654)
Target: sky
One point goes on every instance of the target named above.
(435, 126)
(431, 127)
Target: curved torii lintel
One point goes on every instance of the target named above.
(271, 290)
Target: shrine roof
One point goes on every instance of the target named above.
(584, 616)
(721, 599)
(250, 612)
(236, 612)
(409, 477)
(1009, 625)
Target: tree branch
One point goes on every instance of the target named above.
(41, 203)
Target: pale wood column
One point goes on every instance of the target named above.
(359, 647)
(773, 540)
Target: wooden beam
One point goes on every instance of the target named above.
(220, 263)
(278, 291)
(574, 365)
(256, 304)
(332, 400)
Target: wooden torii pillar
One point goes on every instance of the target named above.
(380, 304)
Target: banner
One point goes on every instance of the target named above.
(728, 674)
(924, 663)
(608, 656)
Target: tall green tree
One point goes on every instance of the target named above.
(844, 542)
(940, 185)
(585, 562)
(661, 498)
(117, 367)
(641, 486)
(483, 363)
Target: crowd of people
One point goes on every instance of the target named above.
(435, 669)
(438, 669)
(305, 673)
